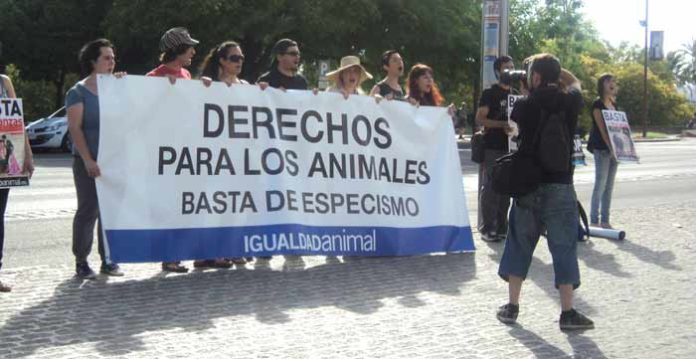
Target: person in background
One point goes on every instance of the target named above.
(461, 119)
(600, 146)
(492, 115)
(692, 123)
(177, 48)
(348, 77)
(82, 105)
(390, 87)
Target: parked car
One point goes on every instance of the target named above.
(50, 132)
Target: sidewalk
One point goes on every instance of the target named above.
(639, 292)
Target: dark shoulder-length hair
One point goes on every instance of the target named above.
(600, 84)
(434, 98)
(386, 57)
(89, 53)
(171, 54)
(211, 64)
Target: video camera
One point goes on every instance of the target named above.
(512, 77)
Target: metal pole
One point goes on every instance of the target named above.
(504, 27)
(494, 37)
(645, 77)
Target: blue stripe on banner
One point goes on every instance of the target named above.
(154, 245)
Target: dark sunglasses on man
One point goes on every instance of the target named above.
(292, 53)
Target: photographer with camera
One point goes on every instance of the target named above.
(546, 119)
(492, 116)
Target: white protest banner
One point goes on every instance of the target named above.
(190, 172)
(12, 143)
(619, 132)
(512, 137)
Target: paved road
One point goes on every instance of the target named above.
(39, 226)
(639, 291)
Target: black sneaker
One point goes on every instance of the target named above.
(83, 271)
(574, 320)
(508, 313)
(501, 236)
(489, 237)
(111, 269)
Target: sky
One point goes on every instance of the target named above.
(619, 20)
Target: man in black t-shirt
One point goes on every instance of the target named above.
(492, 115)
(552, 207)
(283, 72)
(283, 75)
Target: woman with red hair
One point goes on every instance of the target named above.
(421, 88)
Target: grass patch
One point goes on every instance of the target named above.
(651, 135)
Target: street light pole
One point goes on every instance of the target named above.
(645, 76)
(504, 27)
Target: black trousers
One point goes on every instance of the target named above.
(493, 207)
(86, 216)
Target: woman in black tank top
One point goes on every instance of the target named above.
(389, 87)
(387, 91)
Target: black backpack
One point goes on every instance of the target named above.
(550, 150)
(555, 146)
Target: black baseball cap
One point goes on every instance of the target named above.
(174, 37)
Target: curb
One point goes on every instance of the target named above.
(669, 139)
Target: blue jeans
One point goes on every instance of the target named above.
(605, 172)
(551, 208)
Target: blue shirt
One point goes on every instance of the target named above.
(90, 117)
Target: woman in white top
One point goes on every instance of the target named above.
(348, 77)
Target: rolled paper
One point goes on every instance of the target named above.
(615, 234)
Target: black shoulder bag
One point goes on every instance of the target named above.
(519, 173)
(478, 147)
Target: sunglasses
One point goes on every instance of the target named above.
(235, 58)
(292, 53)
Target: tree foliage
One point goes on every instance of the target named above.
(683, 63)
(41, 38)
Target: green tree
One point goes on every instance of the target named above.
(667, 108)
(325, 29)
(42, 38)
(683, 63)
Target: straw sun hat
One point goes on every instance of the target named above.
(347, 62)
